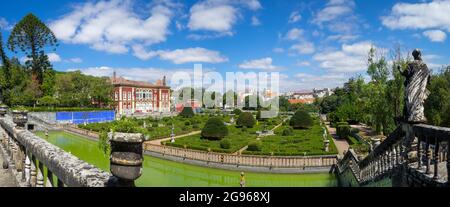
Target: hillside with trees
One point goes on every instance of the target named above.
(35, 82)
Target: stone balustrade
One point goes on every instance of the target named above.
(413, 155)
(245, 160)
(31, 158)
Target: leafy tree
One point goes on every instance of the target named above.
(231, 94)
(437, 106)
(31, 36)
(246, 119)
(301, 119)
(214, 129)
(284, 104)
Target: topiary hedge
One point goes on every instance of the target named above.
(301, 119)
(343, 130)
(287, 131)
(225, 144)
(246, 119)
(214, 129)
(187, 112)
(254, 146)
(237, 112)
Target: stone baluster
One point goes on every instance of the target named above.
(389, 158)
(427, 157)
(436, 159)
(394, 156)
(33, 173)
(12, 163)
(419, 154)
(27, 170)
(397, 154)
(40, 176)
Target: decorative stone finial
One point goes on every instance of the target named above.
(20, 118)
(126, 157)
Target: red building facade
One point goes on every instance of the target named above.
(140, 97)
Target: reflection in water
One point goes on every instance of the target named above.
(158, 172)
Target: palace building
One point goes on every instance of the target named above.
(140, 97)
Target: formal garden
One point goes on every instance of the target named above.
(291, 137)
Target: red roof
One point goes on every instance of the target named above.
(305, 100)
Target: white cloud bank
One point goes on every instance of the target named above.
(260, 64)
(350, 58)
(180, 56)
(112, 26)
(433, 16)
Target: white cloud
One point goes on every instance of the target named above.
(218, 15)
(217, 18)
(261, 64)
(295, 17)
(342, 38)
(294, 34)
(303, 63)
(435, 35)
(180, 56)
(333, 10)
(351, 58)
(75, 60)
(196, 54)
(112, 26)
(303, 47)
(255, 21)
(426, 15)
(306, 82)
(53, 57)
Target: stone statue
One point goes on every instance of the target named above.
(417, 77)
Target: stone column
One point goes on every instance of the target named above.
(126, 157)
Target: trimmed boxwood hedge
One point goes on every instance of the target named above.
(187, 112)
(246, 119)
(214, 129)
(301, 119)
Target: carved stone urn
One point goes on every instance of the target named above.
(3, 110)
(126, 157)
(20, 118)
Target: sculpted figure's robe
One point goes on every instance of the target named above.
(417, 77)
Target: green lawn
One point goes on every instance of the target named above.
(303, 140)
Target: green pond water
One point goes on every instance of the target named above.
(164, 173)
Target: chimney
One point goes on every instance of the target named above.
(164, 81)
(114, 76)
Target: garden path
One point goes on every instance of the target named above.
(341, 144)
(158, 141)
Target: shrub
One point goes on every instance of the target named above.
(225, 144)
(254, 146)
(237, 112)
(244, 129)
(301, 119)
(195, 126)
(187, 123)
(246, 119)
(126, 126)
(184, 128)
(288, 131)
(214, 129)
(187, 112)
(343, 130)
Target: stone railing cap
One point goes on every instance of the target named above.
(126, 137)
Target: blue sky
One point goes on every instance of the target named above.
(318, 43)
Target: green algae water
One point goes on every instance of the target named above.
(163, 173)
